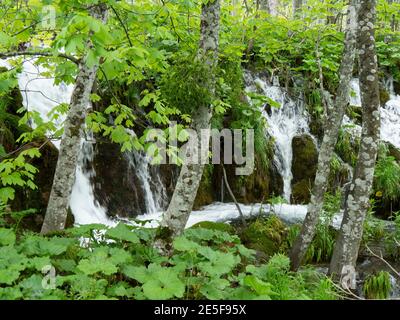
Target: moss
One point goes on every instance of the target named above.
(384, 96)
(265, 235)
(6, 137)
(220, 226)
(305, 158)
(301, 192)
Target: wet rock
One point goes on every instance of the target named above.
(265, 235)
(384, 95)
(304, 167)
(117, 185)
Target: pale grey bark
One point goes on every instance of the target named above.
(297, 6)
(332, 126)
(64, 177)
(177, 214)
(273, 7)
(348, 242)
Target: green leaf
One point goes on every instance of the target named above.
(7, 237)
(260, 287)
(167, 285)
(97, 262)
(214, 290)
(122, 232)
(39, 262)
(183, 244)
(6, 194)
(137, 273)
(8, 276)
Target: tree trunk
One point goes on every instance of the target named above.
(332, 126)
(177, 214)
(64, 177)
(297, 6)
(348, 242)
(273, 7)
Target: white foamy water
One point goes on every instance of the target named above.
(83, 205)
(223, 212)
(390, 114)
(150, 180)
(283, 124)
(40, 94)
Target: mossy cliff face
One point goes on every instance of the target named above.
(304, 167)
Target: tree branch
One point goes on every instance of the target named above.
(38, 53)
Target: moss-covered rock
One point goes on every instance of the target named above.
(301, 192)
(394, 152)
(304, 167)
(305, 158)
(265, 235)
(384, 95)
(396, 85)
(220, 226)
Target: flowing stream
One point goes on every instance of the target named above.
(290, 119)
(283, 124)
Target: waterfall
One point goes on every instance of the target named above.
(40, 94)
(390, 114)
(150, 180)
(283, 124)
(83, 205)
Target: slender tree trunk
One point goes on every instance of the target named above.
(332, 126)
(273, 7)
(348, 242)
(177, 214)
(297, 6)
(64, 176)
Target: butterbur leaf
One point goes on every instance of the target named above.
(7, 237)
(122, 232)
(120, 256)
(165, 285)
(68, 265)
(214, 290)
(10, 293)
(8, 276)
(183, 244)
(137, 273)
(97, 262)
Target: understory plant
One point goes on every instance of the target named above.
(96, 262)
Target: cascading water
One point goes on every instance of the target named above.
(150, 179)
(283, 124)
(83, 205)
(42, 95)
(390, 114)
